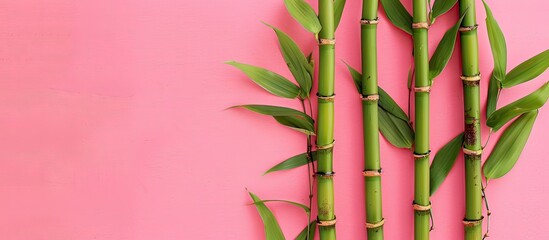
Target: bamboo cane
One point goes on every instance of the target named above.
(472, 142)
(325, 127)
(421, 148)
(370, 98)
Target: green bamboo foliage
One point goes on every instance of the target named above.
(302, 69)
(511, 143)
(514, 138)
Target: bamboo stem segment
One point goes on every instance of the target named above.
(472, 142)
(370, 99)
(325, 125)
(421, 147)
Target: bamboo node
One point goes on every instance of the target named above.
(325, 147)
(324, 41)
(369, 98)
(472, 152)
(326, 223)
(328, 175)
(468, 28)
(420, 156)
(375, 225)
(472, 223)
(423, 89)
(420, 25)
(372, 173)
(474, 78)
(326, 98)
(369, 21)
(421, 208)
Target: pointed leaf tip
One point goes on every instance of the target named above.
(509, 146)
(444, 161)
(268, 80)
(270, 224)
(304, 14)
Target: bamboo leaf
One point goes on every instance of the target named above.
(270, 81)
(444, 161)
(528, 103)
(357, 78)
(385, 100)
(296, 61)
(509, 146)
(398, 15)
(296, 123)
(527, 70)
(303, 234)
(293, 162)
(497, 43)
(395, 130)
(307, 209)
(493, 95)
(286, 116)
(272, 228)
(303, 13)
(444, 50)
(388, 104)
(338, 11)
(441, 7)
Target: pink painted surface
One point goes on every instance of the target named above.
(113, 125)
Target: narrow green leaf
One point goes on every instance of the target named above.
(441, 7)
(303, 234)
(527, 70)
(357, 78)
(303, 13)
(272, 228)
(493, 95)
(509, 146)
(296, 61)
(293, 162)
(270, 81)
(385, 100)
(338, 11)
(286, 116)
(444, 161)
(411, 72)
(307, 209)
(398, 15)
(444, 50)
(395, 130)
(296, 123)
(388, 104)
(528, 103)
(497, 43)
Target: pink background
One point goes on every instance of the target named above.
(113, 125)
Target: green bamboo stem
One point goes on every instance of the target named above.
(325, 127)
(372, 184)
(472, 141)
(421, 147)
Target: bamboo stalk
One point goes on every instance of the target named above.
(421, 147)
(372, 182)
(472, 140)
(325, 127)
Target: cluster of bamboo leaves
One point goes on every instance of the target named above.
(302, 68)
(521, 113)
(394, 122)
